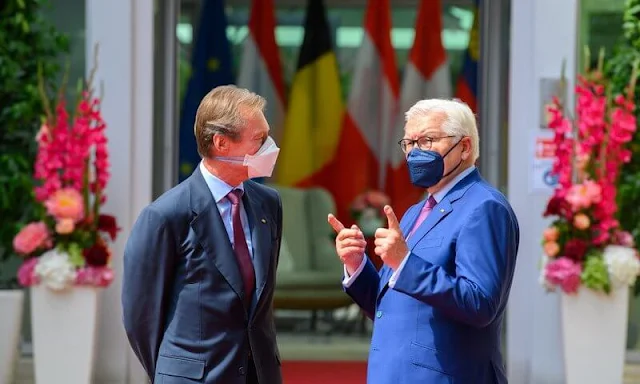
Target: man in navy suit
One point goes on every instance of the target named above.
(438, 303)
(200, 263)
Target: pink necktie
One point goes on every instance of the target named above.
(240, 246)
(428, 206)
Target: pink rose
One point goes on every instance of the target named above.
(551, 248)
(31, 237)
(581, 221)
(66, 203)
(565, 273)
(26, 275)
(551, 234)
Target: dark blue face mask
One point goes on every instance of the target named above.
(426, 168)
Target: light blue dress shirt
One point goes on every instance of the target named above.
(219, 189)
(438, 196)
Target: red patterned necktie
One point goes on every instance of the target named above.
(426, 209)
(240, 246)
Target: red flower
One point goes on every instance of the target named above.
(575, 249)
(107, 223)
(97, 256)
(558, 206)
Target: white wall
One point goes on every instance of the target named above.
(543, 33)
(124, 31)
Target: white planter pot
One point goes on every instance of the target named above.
(594, 330)
(64, 334)
(11, 302)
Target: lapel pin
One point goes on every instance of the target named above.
(441, 210)
(264, 221)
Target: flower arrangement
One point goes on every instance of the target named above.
(68, 245)
(367, 210)
(585, 244)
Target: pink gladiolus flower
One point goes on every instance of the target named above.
(565, 273)
(66, 203)
(26, 275)
(32, 237)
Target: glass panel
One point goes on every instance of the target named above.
(347, 24)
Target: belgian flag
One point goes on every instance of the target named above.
(314, 114)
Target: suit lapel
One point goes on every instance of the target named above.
(260, 238)
(211, 233)
(439, 212)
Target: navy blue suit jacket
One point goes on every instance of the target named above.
(182, 295)
(442, 320)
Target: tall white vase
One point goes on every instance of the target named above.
(594, 328)
(11, 302)
(64, 334)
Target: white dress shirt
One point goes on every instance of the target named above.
(219, 189)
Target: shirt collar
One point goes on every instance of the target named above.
(438, 196)
(219, 189)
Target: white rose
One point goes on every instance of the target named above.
(623, 265)
(55, 270)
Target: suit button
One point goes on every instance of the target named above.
(379, 314)
(241, 371)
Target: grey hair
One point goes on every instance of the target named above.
(224, 111)
(460, 119)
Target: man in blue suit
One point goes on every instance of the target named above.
(200, 263)
(438, 303)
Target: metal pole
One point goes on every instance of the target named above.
(492, 103)
(165, 117)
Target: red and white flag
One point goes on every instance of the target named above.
(371, 113)
(425, 76)
(261, 69)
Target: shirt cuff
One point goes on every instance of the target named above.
(396, 273)
(348, 280)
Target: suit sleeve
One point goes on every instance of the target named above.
(364, 288)
(485, 255)
(149, 258)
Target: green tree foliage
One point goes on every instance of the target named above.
(27, 41)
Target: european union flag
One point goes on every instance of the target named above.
(211, 66)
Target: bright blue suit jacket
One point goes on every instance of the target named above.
(442, 320)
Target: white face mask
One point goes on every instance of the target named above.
(259, 165)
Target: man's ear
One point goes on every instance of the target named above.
(220, 144)
(466, 148)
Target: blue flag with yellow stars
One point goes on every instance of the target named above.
(211, 66)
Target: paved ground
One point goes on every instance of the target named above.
(307, 347)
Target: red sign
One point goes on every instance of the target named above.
(545, 148)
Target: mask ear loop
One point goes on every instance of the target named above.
(459, 163)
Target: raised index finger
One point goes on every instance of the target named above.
(335, 223)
